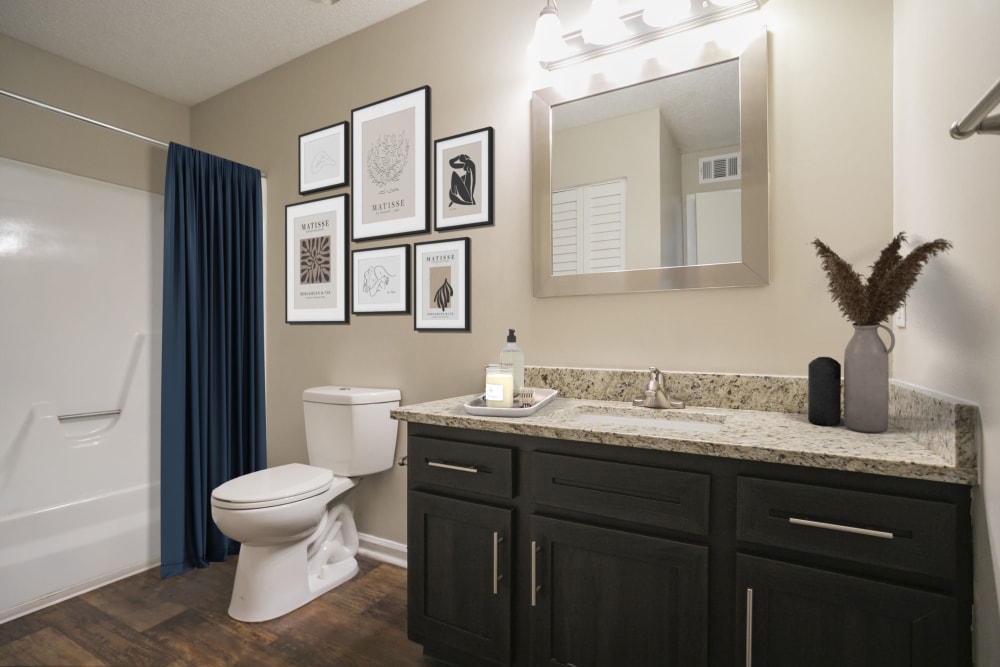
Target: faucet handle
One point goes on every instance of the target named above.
(656, 393)
(654, 378)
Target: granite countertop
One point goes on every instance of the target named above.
(923, 447)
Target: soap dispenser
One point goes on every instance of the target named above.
(512, 357)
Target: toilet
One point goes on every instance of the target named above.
(298, 538)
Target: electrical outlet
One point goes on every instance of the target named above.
(899, 318)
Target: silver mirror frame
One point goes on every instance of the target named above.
(755, 214)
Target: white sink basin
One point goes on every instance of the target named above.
(680, 421)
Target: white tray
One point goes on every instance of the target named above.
(477, 406)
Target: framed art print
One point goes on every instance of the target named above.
(323, 158)
(463, 180)
(441, 285)
(316, 261)
(389, 164)
(381, 280)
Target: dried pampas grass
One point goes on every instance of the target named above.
(873, 301)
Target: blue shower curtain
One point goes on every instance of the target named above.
(212, 402)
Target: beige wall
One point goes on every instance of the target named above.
(819, 188)
(671, 199)
(48, 139)
(945, 57)
(624, 147)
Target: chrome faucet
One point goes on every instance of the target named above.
(656, 396)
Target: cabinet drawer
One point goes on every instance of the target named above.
(462, 466)
(907, 534)
(656, 497)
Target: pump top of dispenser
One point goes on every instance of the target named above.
(511, 338)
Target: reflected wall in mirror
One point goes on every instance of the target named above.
(654, 184)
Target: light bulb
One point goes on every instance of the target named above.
(663, 13)
(548, 44)
(603, 25)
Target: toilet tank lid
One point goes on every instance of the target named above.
(349, 395)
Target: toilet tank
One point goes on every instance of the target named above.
(349, 430)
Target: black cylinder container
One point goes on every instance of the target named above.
(824, 391)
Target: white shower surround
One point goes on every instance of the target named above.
(80, 292)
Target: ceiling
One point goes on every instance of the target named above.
(188, 50)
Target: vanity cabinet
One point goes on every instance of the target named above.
(840, 608)
(459, 551)
(604, 595)
(535, 551)
(460, 598)
(609, 597)
(807, 616)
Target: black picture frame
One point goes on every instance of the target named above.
(389, 166)
(463, 180)
(442, 285)
(323, 158)
(316, 275)
(381, 280)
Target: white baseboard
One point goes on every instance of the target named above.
(382, 549)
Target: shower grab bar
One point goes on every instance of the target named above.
(87, 415)
(977, 121)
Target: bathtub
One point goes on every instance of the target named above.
(55, 553)
(80, 497)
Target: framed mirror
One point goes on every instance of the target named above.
(659, 183)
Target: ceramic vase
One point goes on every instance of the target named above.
(866, 379)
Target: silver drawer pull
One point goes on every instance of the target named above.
(496, 562)
(749, 628)
(448, 466)
(534, 574)
(844, 529)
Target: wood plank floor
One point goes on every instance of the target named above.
(143, 620)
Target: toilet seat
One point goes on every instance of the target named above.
(270, 487)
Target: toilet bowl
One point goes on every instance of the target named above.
(295, 544)
(298, 538)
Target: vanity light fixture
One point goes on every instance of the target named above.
(603, 26)
(548, 44)
(666, 13)
(604, 31)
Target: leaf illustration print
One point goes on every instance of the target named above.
(442, 298)
(387, 157)
(314, 260)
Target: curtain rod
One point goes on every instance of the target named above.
(49, 107)
(977, 121)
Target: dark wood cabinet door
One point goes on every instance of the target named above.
(459, 576)
(805, 616)
(609, 597)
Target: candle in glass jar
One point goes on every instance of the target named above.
(499, 387)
